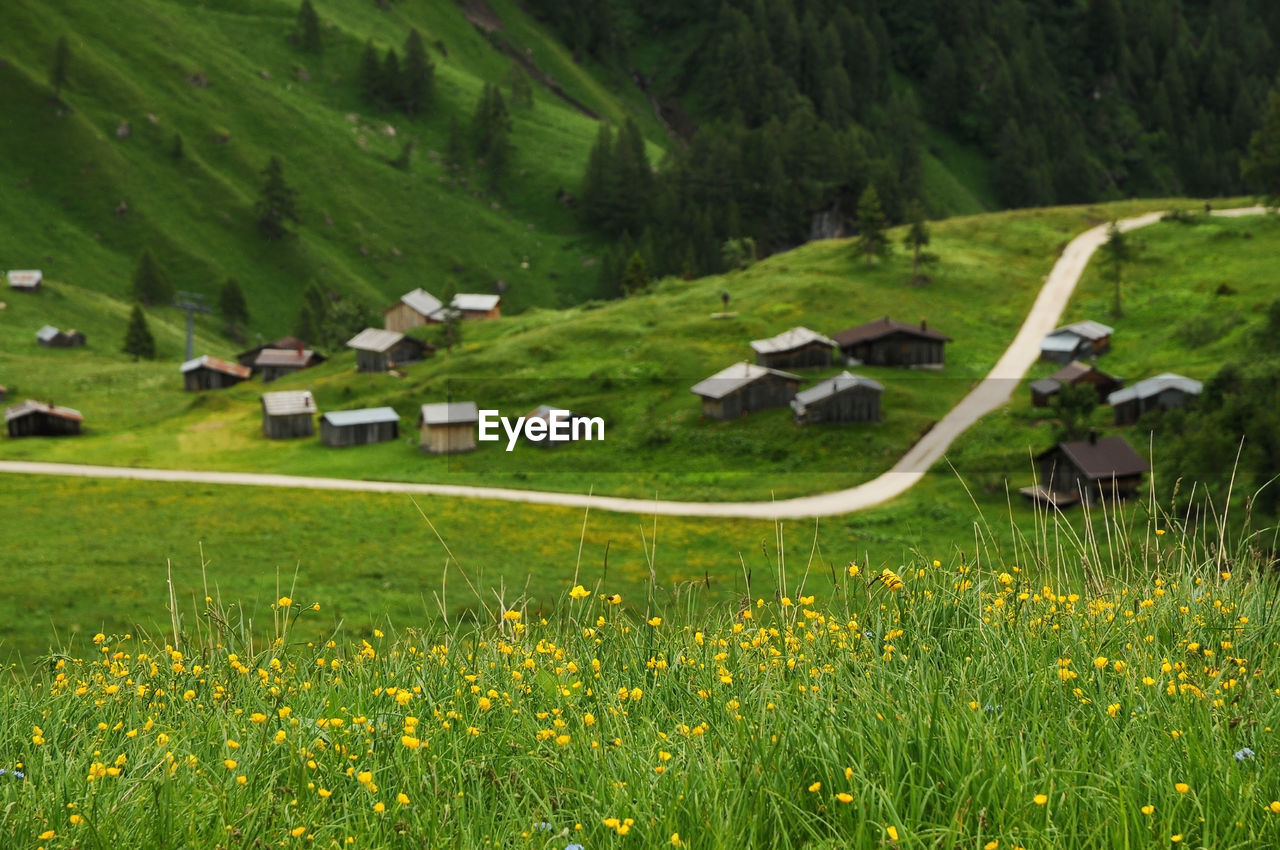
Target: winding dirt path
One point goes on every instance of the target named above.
(993, 391)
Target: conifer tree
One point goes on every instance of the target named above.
(308, 33)
(636, 275)
(916, 239)
(150, 284)
(61, 66)
(593, 196)
(369, 74)
(419, 75)
(872, 242)
(276, 206)
(138, 341)
(1117, 252)
(391, 86)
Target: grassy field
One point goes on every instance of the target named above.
(860, 716)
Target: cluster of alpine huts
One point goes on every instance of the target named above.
(33, 418)
(744, 387)
(1084, 471)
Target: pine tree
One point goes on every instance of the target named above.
(491, 133)
(636, 276)
(593, 197)
(276, 206)
(419, 75)
(1117, 252)
(308, 33)
(231, 303)
(872, 242)
(61, 66)
(916, 239)
(138, 341)
(1261, 170)
(150, 284)
(369, 74)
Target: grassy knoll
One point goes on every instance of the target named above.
(864, 718)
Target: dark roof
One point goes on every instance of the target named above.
(1075, 370)
(1107, 457)
(30, 407)
(1046, 386)
(884, 327)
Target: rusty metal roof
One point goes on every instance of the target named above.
(734, 378)
(288, 403)
(884, 327)
(789, 341)
(31, 406)
(215, 364)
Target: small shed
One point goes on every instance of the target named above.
(414, 309)
(448, 427)
(798, 348)
(286, 415)
(1076, 341)
(211, 373)
(1163, 392)
(51, 337)
(1084, 471)
(25, 280)
(1074, 373)
(277, 362)
(477, 305)
(359, 427)
(745, 388)
(382, 350)
(248, 357)
(844, 398)
(886, 342)
(42, 419)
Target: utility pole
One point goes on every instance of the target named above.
(192, 302)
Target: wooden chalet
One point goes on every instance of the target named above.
(25, 280)
(1073, 374)
(844, 398)
(41, 419)
(474, 305)
(414, 309)
(211, 373)
(277, 362)
(1076, 341)
(248, 357)
(745, 388)
(448, 427)
(1163, 392)
(51, 337)
(886, 342)
(1085, 471)
(286, 415)
(359, 427)
(798, 348)
(383, 350)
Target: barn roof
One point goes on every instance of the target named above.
(1064, 342)
(449, 413)
(363, 416)
(834, 386)
(475, 302)
(1154, 386)
(789, 341)
(1088, 329)
(285, 357)
(374, 339)
(1046, 386)
(215, 364)
(883, 327)
(48, 333)
(29, 407)
(421, 301)
(282, 342)
(288, 403)
(1104, 458)
(25, 278)
(734, 378)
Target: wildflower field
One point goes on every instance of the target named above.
(991, 705)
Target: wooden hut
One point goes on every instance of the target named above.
(383, 350)
(844, 398)
(448, 427)
(745, 388)
(1073, 374)
(359, 427)
(476, 305)
(798, 348)
(249, 356)
(211, 373)
(41, 419)
(277, 362)
(51, 337)
(886, 342)
(1076, 341)
(1163, 392)
(414, 309)
(25, 280)
(1084, 471)
(286, 415)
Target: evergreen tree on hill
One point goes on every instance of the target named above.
(138, 341)
(276, 206)
(308, 32)
(872, 242)
(391, 86)
(419, 75)
(151, 285)
(369, 74)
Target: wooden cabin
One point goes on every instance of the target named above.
(448, 427)
(25, 280)
(745, 388)
(1085, 471)
(414, 309)
(798, 348)
(359, 427)
(1073, 374)
(383, 350)
(1077, 341)
(844, 398)
(286, 415)
(51, 337)
(41, 419)
(476, 305)
(277, 362)
(248, 357)
(1163, 392)
(211, 373)
(886, 342)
